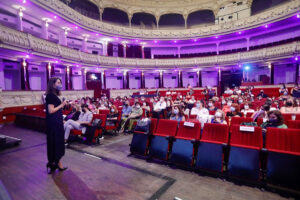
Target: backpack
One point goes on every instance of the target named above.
(143, 125)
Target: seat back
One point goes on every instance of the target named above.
(193, 116)
(102, 117)
(283, 140)
(104, 112)
(217, 133)
(153, 125)
(239, 120)
(252, 140)
(166, 127)
(294, 124)
(187, 132)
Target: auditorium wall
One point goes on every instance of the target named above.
(209, 78)
(189, 78)
(284, 73)
(151, 80)
(134, 80)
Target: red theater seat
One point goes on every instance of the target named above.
(283, 156)
(182, 152)
(160, 146)
(214, 139)
(293, 124)
(239, 120)
(244, 155)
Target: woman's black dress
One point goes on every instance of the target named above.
(54, 130)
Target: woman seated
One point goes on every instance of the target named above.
(275, 119)
(247, 109)
(135, 114)
(219, 117)
(199, 109)
(177, 114)
(211, 106)
(74, 114)
(289, 107)
(112, 116)
(234, 111)
(283, 90)
(261, 113)
(227, 107)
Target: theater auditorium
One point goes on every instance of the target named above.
(149, 99)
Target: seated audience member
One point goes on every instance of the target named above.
(240, 100)
(211, 106)
(295, 92)
(283, 90)
(262, 94)
(126, 110)
(112, 116)
(234, 111)
(247, 109)
(219, 117)
(136, 113)
(202, 113)
(74, 114)
(211, 93)
(159, 107)
(227, 107)
(189, 86)
(177, 114)
(192, 100)
(205, 91)
(275, 106)
(289, 107)
(85, 118)
(168, 92)
(146, 107)
(275, 119)
(199, 108)
(102, 106)
(228, 91)
(261, 113)
(237, 91)
(191, 92)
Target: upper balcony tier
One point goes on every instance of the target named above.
(65, 12)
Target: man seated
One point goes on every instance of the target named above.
(85, 118)
(136, 113)
(159, 107)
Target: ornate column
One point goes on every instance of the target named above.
(218, 44)
(142, 79)
(67, 78)
(45, 34)
(124, 49)
(124, 80)
(127, 80)
(84, 78)
(20, 18)
(297, 73)
(199, 74)
(143, 52)
(104, 48)
(130, 18)
(84, 43)
(157, 17)
(178, 52)
(70, 78)
(248, 43)
(63, 36)
(100, 13)
(272, 73)
(185, 16)
(24, 76)
(48, 71)
(178, 82)
(104, 80)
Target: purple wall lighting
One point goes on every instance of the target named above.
(266, 26)
(155, 41)
(296, 58)
(298, 16)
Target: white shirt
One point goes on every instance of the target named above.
(247, 111)
(202, 116)
(191, 101)
(160, 106)
(228, 92)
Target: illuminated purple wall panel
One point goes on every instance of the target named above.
(209, 78)
(150, 81)
(170, 80)
(112, 82)
(284, 73)
(189, 78)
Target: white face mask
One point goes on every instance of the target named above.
(218, 115)
(246, 107)
(138, 106)
(210, 104)
(229, 103)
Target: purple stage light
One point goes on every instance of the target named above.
(27, 56)
(155, 41)
(296, 58)
(24, 1)
(136, 40)
(76, 27)
(217, 37)
(54, 16)
(298, 16)
(195, 40)
(175, 41)
(240, 32)
(266, 26)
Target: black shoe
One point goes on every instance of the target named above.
(60, 169)
(50, 168)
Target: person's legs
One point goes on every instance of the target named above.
(72, 125)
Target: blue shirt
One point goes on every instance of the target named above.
(178, 119)
(126, 110)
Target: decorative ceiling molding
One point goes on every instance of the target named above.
(275, 14)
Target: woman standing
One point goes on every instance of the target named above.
(55, 127)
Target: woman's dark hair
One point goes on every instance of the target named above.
(279, 116)
(180, 111)
(51, 86)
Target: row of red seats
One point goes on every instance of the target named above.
(241, 154)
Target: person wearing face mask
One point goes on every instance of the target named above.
(136, 113)
(289, 107)
(275, 119)
(201, 112)
(219, 117)
(228, 91)
(234, 111)
(211, 106)
(262, 94)
(295, 92)
(85, 118)
(74, 114)
(227, 108)
(247, 109)
(159, 108)
(283, 90)
(146, 107)
(112, 116)
(102, 106)
(177, 114)
(126, 110)
(54, 125)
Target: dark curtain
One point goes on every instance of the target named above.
(120, 50)
(110, 49)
